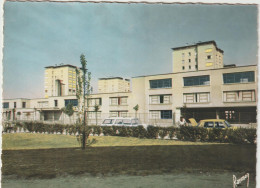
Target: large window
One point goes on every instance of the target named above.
(74, 102)
(239, 96)
(166, 114)
(239, 77)
(163, 83)
(95, 101)
(24, 104)
(161, 114)
(196, 80)
(118, 101)
(196, 97)
(6, 105)
(160, 99)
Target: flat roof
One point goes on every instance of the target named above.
(58, 66)
(198, 44)
(111, 78)
(195, 71)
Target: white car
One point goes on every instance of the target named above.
(120, 121)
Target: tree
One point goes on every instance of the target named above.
(96, 109)
(83, 90)
(136, 108)
(68, 110)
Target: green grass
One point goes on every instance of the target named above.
(44, 141)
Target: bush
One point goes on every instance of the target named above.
(123, 131)
(172, 131)
(29, 126)
(97, 130)
(108, 131)
(152, 132)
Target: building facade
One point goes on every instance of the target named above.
(60, 80)
(196, 57)
(205, 92)
(113, 84)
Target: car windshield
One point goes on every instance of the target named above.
(108, 121)
(127, 121)
(228, 125)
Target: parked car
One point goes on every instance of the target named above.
(211, 123)
(120, 121)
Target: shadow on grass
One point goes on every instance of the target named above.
(135, 160)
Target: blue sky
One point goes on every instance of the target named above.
(124, 40)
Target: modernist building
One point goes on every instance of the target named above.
(206, 90)
(60, 80)
(196, 57)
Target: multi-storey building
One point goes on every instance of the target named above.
(196, 57)
(60, 80)
(113, 84)
(217, 91)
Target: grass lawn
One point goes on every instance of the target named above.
(44, 141)
(59, 155)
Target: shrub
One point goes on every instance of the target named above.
(172, 131)
(97, 130)
(123, 131)
(152, 132)
(29, 126)
(107, 131)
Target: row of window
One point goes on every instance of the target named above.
(240, 77)
(6, 105)
(228, 96)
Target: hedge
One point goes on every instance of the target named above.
(237, 136)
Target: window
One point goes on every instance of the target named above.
(208, 56)
(154, 114)
(118, 113)
(160, 99)
(183, 67)
(6, 105)
(24, 104)
(183, 61)
(189, 60)
(160, 114)
(197, 80)
(196, 97)
(118, 101)
(183, 55)
(113, 101)
(189, 67)
(196, 66)
(239, 77)
(95, 101)
(166, 114)
(189, 53)
(163, 83)
(74, 102)
(14, 104)
(219, 124)
(209, 124)
(239, 96)
(55, 103)
(93, 114)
